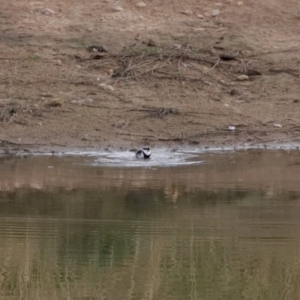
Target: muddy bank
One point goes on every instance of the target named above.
(169, 75)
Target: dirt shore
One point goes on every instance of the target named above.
(164, 73)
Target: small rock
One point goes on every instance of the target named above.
(231, 128)
(110, 72)
(242, 77)
(107, 87)
(277, 125)
(200, 16)
(117, 8)
(121, 124)
(47, 11)
(187, 12)
(141, 4)
(58, 62)
(110, 88)
(54, 103)
(215, 12)
(235, 92)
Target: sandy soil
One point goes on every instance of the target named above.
(170, 75)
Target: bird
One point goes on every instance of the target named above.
(145, 153)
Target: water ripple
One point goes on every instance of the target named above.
(162, 158)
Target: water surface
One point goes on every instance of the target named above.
(221, 226)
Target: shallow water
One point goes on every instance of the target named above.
(216, 226)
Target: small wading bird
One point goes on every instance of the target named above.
(145, 153)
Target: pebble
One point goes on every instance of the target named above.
(187, 12)
(107, 87)
(110, 72)
(215, 12)
(278, 125)
(235, 91)
(117, 8)
(177, 46)
(55, 103)
(242, 77)
(58, 62)
(110, 88)
(47, 11)
(141, 4)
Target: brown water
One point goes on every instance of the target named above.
(225, 229)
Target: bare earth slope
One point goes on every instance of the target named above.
(171, 74)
